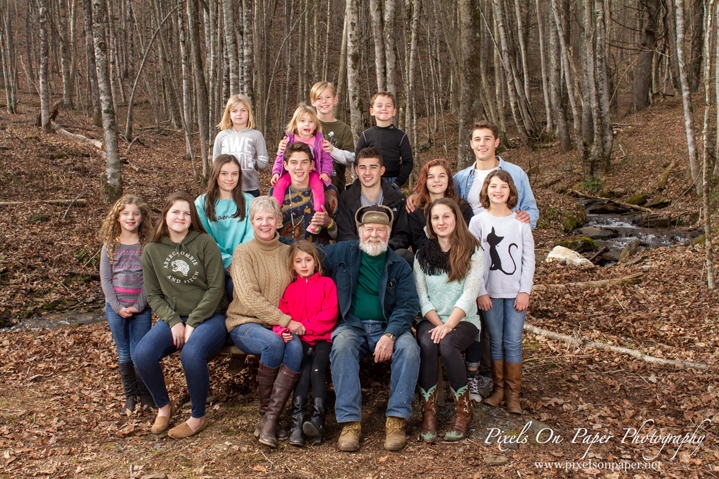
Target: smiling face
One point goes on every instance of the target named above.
(373, 238)
(264, 223)
(383, 109)
(484, 144)
(437, 180)
(304, 264)
(306, 127)
(369, 171)
(325, 102)
(228, 177)
(239, 116)
(130, 218)
(299, 165)
(443, 221)
(498, 191)
(178, 219)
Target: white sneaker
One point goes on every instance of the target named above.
(474, 389)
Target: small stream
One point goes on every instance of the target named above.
(617, 230)
(59, 320)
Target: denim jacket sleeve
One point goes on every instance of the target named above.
(406, 300)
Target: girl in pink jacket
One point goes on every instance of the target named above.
(306, 128)
(311, 299)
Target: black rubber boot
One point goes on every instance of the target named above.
(299, 411)
(146, 400)
(129, 387)
(316, 424)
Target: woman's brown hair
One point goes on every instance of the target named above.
(195, 223)
(110, 230)
(463, 242)
(306, 247)
(213, 189)
(507, 178)
(421, 188)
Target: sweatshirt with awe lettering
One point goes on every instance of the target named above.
(249, 148)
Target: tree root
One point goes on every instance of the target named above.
(635, 278)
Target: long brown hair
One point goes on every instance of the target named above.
(306, 247)
(195, 224)
(463, 242)
(513, 197)
(111, 230)
(421, 187)
(213, 189)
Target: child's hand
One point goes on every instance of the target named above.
(281, 147)
(286, 337)
(274, 179)
(124, 313)
(522, 302)
(484, 303)
(327, 146)
(325, 177)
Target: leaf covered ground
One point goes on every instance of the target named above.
(60, 393)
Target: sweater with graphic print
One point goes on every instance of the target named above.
(249, 147)
(227, 231)
(184, 279)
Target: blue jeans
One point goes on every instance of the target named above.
(206, 340)
(128, 332)
(349, 345)
(390, 180)
(505, 325)
(255, 339)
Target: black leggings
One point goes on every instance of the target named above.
(450, 348)
(478, 352)
(315, 360)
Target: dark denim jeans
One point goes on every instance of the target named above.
(128, 332)
(390, 180)
(255, 339)
(206, 340)
(349, 346)
(505, 325)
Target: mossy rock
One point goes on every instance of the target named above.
(32, 137)
(570, 222)
(581, 244)
(698, 240)
(639, 199)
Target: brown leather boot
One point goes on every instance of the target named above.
(429, 414)
(498, 379)
(281, 390)
(463, 415)
(513, 382)
(265, 379)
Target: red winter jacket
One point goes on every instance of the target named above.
(313, 302)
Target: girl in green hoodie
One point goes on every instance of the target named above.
(184, 279)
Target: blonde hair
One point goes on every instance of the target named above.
(302, 110)
(110, 230)
(232, 102)
(265, 203)
(319, 87)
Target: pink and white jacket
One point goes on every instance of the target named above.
(323, 160)
(313, 302)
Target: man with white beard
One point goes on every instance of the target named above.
(378, 302)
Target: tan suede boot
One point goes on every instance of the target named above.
(513, 382)
(498, 379)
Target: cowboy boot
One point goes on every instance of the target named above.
(299, 411)
(429, 414)
(265, 379)
(498, 379)
(281, 390)
(129, 387)
(315, 426)
(146, 400)
(463, 415)
(513, 382)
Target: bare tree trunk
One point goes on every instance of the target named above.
(484, 52)
(326, 56)
(228, 13)
(686, 99)
(390, 9)
(111, 180)
(716, 83)
(592, 150)
(694, 65)
(643, 68)
(44, 73)
(708, 145)
(375, 10)
(342, 74)
(607, 135)
(560, 20)
(193, 18)
(248, 47)
(353, 60)
(92, 69)
(7, 50)
(522, 49)
(65, 54)
(186, 98)
(555, 90)
(470, 82)
(542, 59)
(416, 7)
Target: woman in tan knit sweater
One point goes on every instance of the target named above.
(259, 273)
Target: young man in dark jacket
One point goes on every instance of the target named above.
(368, 190)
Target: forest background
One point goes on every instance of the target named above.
(610, 106)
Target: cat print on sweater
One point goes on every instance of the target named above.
(493, 240)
